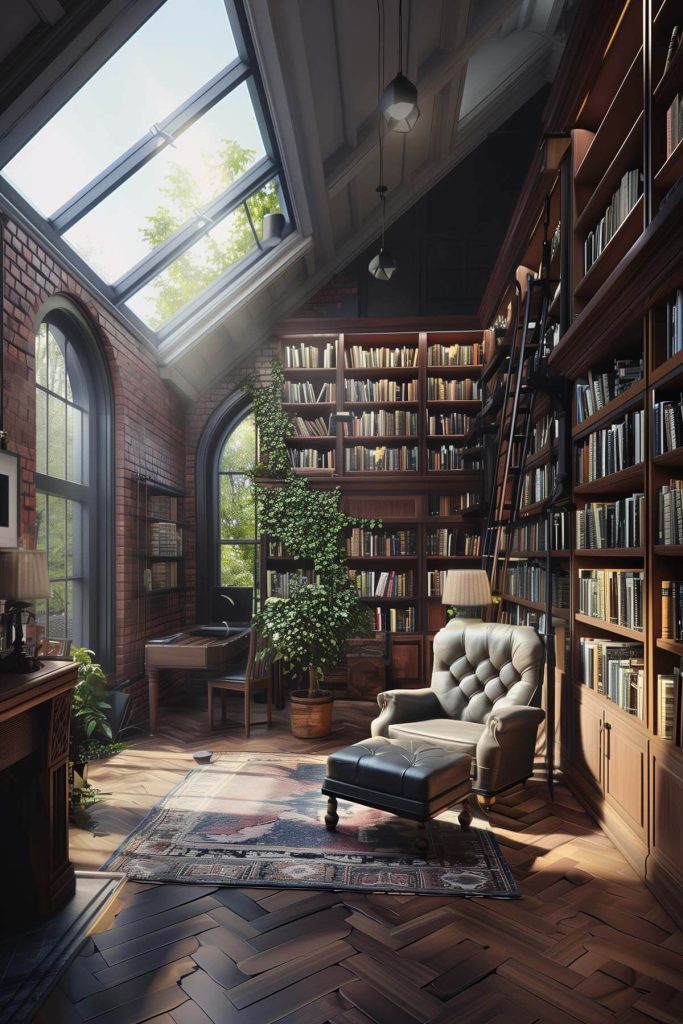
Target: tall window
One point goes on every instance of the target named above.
(236, 508)
(72, 458)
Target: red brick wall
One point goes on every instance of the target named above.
(338, 296)
(149, 429)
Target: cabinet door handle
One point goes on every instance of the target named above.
(608, 745)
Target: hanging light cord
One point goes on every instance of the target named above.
(400, 37)
(381, 188)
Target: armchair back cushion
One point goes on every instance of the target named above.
(486, 665)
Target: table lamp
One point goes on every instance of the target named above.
(23, 579)
(467, 589)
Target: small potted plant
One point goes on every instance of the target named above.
(89, 721)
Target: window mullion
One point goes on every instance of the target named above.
(145, 148)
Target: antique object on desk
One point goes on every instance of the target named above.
(34, 750)
(23, 578)
(194, 653)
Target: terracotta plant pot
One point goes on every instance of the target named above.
(311, 717)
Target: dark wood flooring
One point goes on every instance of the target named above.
(588, 942)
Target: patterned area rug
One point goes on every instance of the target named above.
(258, 819)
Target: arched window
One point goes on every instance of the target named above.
(73, 492)
(227, 548)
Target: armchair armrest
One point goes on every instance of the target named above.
(405, 706)
(505, 751)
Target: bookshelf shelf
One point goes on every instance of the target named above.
(610, 627)
(612, 254)
(627, 157)
(671, 82)
(669, 373)
(381, 372)
(608, 553)
(610, 132)
(536, 606)
(380, 440)
(669, 550)
(671, 170)
(615, 483)
(619, 405)
(672, 646)
(673, 458)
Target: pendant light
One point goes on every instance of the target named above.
(381, 266)
(398, 102)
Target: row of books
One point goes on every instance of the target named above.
(452, 541)
(161, 576)
(538, 484)
(449, 423)
(370, 543)
(380, 390)
(528, 581)
(357, 356)
(317, 426)
(311, 458)
(670, 513)
(162, 506)
(669, 709)
(613, 595)
(381, 422)
(615, 670)
(436, 581)
(369, 583)
(382, 459)
(668, 425)
(611, 524)
(165, 540)
(674, 324)
(303, 393)
(305, 356)
(543, 432)
(612, 448)
(279, 584)
(395, 620)
(442, 390)
(532, 536)
(450, 456)
(454, 355)
(452, 504)
(597, 389)
(674, 124)
(621, 204)
(672, 609)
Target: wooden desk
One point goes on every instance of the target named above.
(194, 653)
(35, 715)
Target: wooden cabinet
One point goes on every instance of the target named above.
(664, 865)
(406, 661)
(587, 741)
(625, 770)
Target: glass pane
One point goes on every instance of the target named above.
(77, 612)
(77, 540)
(176, 51)
(69, 609)
(236, 507)
(41, 431)
(74, 433)
(237, 565)
(266, 200)
(56, 624)
(40, 610)
(195, 270)
(166, 193)
(56, 368)
(41, 355)
(56, 537)
(56, 447)
(41, 521)
(239, 450)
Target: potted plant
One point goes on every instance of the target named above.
(308, 630)
(89, 722)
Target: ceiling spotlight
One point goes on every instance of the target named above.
(398, 102)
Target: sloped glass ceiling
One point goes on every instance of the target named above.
(159, 170)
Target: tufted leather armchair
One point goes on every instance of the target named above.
(483, 700)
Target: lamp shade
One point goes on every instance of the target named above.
(466, 588)
(382, 266)
(398, 103)
(23, 574)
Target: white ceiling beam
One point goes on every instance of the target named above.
(434, 75)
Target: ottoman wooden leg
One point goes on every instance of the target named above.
(465, 816)
(331, 818)
(421, 841)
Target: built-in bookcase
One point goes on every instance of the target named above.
(395, 440)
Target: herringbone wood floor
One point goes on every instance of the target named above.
(588, 942)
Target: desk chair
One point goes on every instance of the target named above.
(257, 675)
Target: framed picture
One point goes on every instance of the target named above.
(9, 499)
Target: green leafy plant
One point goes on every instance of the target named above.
(307, 631)
(88, 706)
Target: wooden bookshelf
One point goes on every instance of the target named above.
(399, 497)
(626, 774)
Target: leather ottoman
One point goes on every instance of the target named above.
(412, 779)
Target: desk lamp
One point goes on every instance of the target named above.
(465, 589)
(23, 579)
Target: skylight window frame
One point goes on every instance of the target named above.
(243, 69)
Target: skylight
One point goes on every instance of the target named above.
(158, 172)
